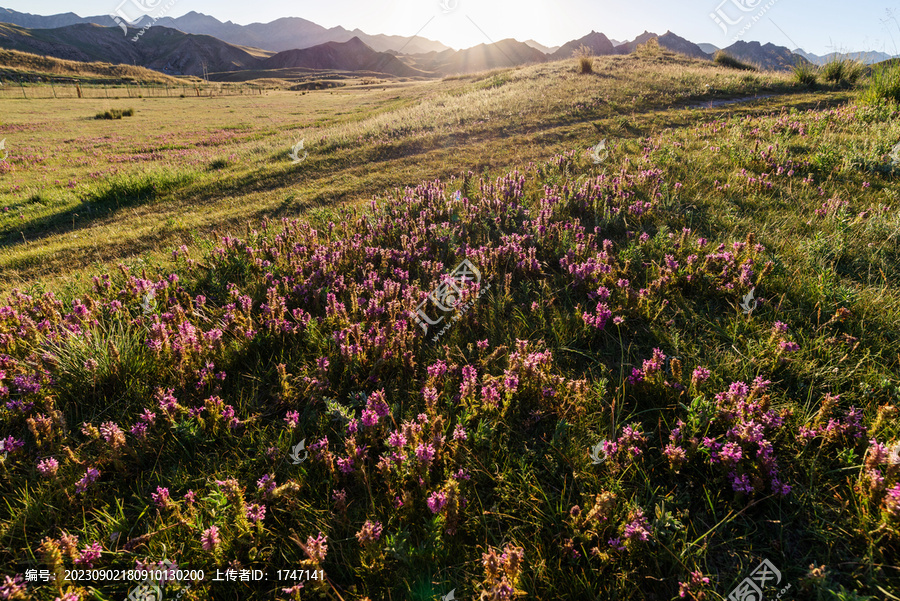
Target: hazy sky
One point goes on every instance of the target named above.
(817, 26)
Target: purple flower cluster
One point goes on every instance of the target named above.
(161, 498)
(737, 443)
(13, 587)
(89, 555)
(48, 467)
(317, 548)
(370, 533)
(881, 477)
(256, 512)
(637, 528)
(892, 504)
(90, 476)
(692, 589)
(501, 572)
(210, 540)
(437, 501)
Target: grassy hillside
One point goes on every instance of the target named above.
(165, 50)
(73, 186)
(678, 359)
(16, 66)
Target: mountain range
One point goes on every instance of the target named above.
(196, 44)
(160, 48)
(353, 55)
(868, 58)
(541, 47)
(598, 43)
(288, 33)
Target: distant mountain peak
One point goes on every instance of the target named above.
(597, 42)
(541, 47)
(352, 55)
(767, 56)
(676, 43)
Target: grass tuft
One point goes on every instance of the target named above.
(125, 190)
(806, 74)
(585, 58)
(648, 49)
(114, 114)
(884, 84)
(726, 60)
(842, 71)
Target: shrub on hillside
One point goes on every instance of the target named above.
(726, 60)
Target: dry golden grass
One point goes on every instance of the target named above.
(26, 63)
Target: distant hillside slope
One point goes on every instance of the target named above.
(25, 66)
(598, 43)
(500, 55)
(291, 33)
(628, 47)
(675, 43)
(160, 48)
(668, 40)
(395, 43)
(541, 47)
(353, 55)
(39, 21)
(868, 58)
(768, 56)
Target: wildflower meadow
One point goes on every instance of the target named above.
(667, 371)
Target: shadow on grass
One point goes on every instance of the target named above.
(110, 197)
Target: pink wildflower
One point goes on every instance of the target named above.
(317, 548)
(90, 476)
(210, 538)
(437, 501)
(89, 555)
(256, 513)
(370, 533)
(48, 467)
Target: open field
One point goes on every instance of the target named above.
(234, 163)
(680, 358)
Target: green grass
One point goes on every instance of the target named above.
(411, 131)
(884, 84)
(806, 176)
(137, 188)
